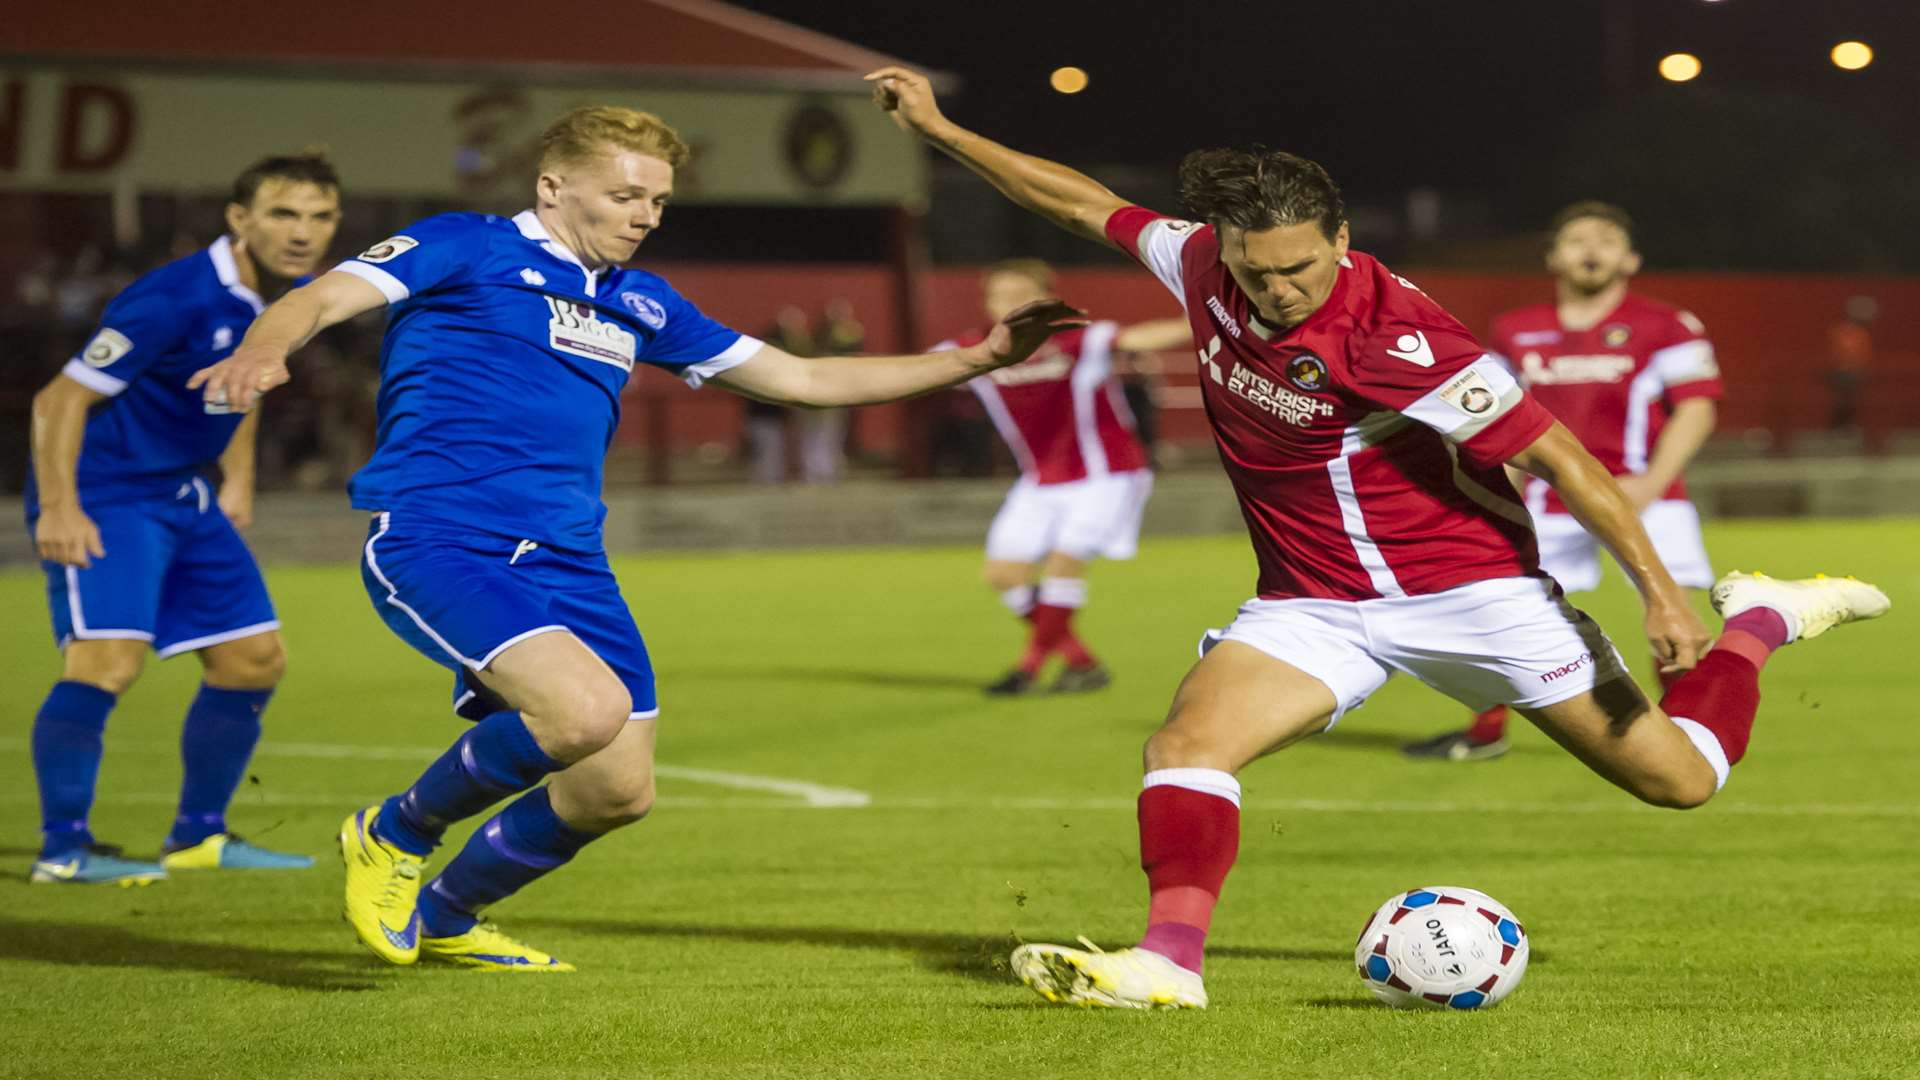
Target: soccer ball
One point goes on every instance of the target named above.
(1442, 947)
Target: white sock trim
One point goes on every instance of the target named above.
(1709, 746)
(1063, 592)
(1018, 599)
(1205, 781)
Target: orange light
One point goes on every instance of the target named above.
(1068, 80)
(1679, 67)
(1851, 55)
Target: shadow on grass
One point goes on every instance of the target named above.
(910, 680)
(972, 956)
(1342, 739)
(78, 944)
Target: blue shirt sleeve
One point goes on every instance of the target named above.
(141, 325)
(428, 254)
(687, 342)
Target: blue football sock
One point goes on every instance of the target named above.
(215, 746)
(515, 847)
(66, 760)
(495, 759)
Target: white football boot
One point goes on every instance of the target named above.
(1811, 606)
(1093, 979)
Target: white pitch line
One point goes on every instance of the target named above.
(808, 793)
(819, 796)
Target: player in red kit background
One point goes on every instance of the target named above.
(1636, 382)
(1366, 434)
(1084, 475)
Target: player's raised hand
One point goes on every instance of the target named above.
(237, 382)
(1026, 328)
(1677, 635)
(66, 535)
(906, 96)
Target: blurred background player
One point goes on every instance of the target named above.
(1084, 473)
(1636, 382)
(139, 553)
(1365, 434)
(508, 347)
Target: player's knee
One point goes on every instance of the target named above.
(1173, 747)
(1001, 576)
(254, 663)
(627, 806)
(589, 718)
(110, 665)
(1683, 791)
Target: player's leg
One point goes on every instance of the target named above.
(1242, 701)
(103, 618)
(214, 604)
(1102, 519)
(1571, 557)
(1680, 752)
(1017, 541)
(545, 828)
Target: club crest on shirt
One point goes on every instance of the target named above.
(1616, 334)
(391, 248)
(575, 328)
(107, 346)
(646, 309)
(1308, 372)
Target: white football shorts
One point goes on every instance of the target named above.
(1572, 555)
(1506, 641)
(1098, 517)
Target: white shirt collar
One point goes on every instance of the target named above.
(227, 269)
(533, 229)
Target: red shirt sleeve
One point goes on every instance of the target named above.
(1125, 225)
(1516, 430)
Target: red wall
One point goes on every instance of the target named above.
(1769, 330)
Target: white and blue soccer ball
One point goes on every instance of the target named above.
(1442, 947)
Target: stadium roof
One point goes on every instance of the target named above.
(646, 41)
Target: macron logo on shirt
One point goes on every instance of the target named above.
(1413, 348)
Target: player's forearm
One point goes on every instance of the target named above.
(1072, 200)
(831, 381)
(1595, 500)
(1686, 432)
(288, 323)
(59, 428)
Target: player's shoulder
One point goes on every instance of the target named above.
(181, 286)
(1653, 313)
(1392, 323)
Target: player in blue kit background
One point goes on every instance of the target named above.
(138, 550)
(507, 347)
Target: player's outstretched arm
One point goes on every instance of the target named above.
(1074, 201)
(826, 381)
(260, 363)
(1597, 502)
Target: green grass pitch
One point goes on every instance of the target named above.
(747, 932)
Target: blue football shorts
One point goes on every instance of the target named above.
(176, 574)
(462, 597)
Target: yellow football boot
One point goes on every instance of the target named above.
(486, 948)
(1093, 979)
(383, 887)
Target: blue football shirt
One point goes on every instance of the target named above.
(154, 434)
(501, 373)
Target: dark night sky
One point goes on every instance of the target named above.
(1387, 95)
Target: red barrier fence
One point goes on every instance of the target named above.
(1770, 331)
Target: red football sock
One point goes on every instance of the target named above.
(1488, 726)
(1188, 841)
(1049, 623)
(1721, 694)
(1071, 648)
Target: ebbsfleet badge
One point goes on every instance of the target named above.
(107, 346)
(391, 248)
(1307, 371)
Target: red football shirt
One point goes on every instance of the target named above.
(1061, 410)
(1365, 444)
(1615, 384)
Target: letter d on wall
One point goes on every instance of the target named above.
(96, 127)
